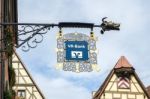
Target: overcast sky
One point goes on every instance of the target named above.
(132, 41)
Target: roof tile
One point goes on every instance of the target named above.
(122, 62)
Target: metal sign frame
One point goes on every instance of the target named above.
(77, 65)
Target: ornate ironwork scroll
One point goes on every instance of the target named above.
(30, 35)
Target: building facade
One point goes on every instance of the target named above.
(122, 83)
(25, 87)
(8, 14)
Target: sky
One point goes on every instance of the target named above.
(132, 41)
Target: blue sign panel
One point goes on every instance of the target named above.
(76, 50)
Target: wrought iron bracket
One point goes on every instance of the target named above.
(30, 34)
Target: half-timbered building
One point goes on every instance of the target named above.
(25, 87)
(122, 83)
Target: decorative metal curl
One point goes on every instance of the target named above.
(30, 35)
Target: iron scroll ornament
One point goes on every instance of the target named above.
(30, 34)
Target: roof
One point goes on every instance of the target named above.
(122, 62)
(148, 90)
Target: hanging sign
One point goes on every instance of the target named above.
(76, 52)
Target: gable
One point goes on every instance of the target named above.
(122, 88)
(122, 83)
(25, 85)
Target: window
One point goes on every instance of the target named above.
(21, 94)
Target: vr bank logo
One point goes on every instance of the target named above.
(76, 54)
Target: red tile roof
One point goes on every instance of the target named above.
(122, 62)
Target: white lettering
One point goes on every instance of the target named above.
(70, 46)
(75, 46)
